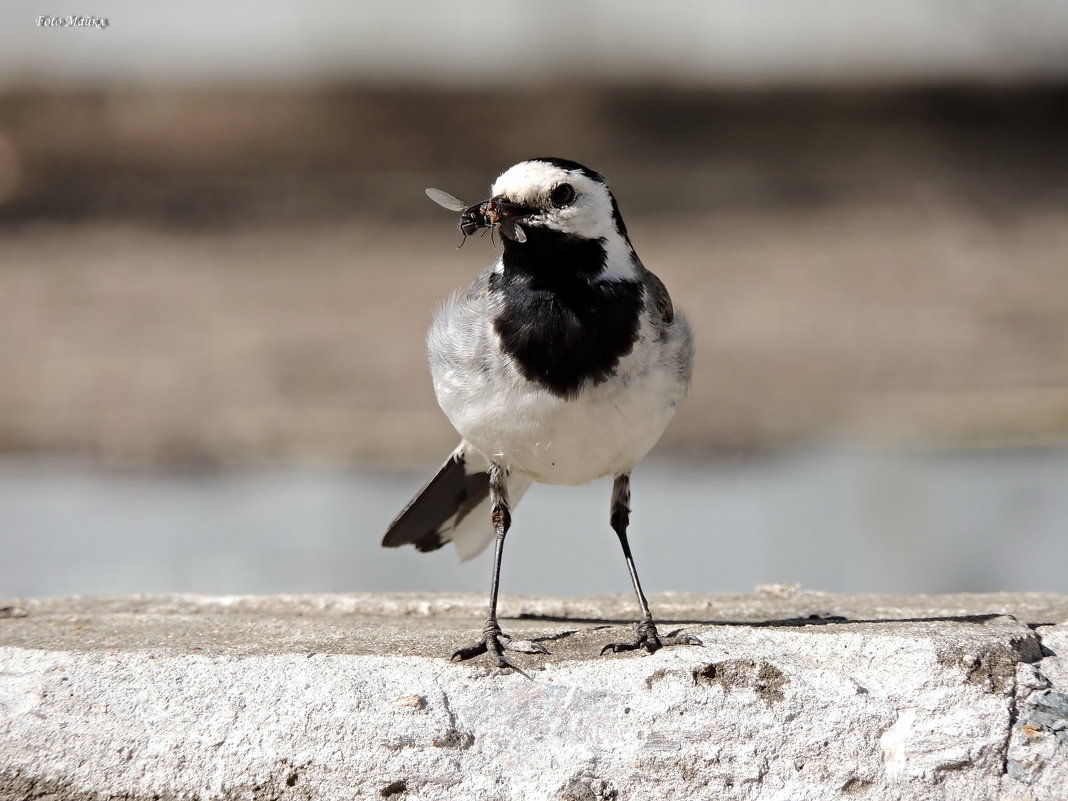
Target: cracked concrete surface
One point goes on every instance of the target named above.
(795, 695)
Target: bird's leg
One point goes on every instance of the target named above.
(494, 641)
(647, 636)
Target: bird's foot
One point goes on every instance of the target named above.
(649, 639)
(495, 642)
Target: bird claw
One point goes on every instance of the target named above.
(495, 642)
(648, 639)
(462, 654)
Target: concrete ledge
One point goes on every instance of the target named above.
(796, 695)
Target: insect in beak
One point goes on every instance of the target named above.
(495, 212)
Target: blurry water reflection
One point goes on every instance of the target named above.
(831, 519)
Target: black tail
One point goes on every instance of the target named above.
(429, 518)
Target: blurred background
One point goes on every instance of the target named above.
(217, 266)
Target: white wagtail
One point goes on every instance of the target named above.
(562, 363)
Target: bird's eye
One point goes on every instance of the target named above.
(562, 195)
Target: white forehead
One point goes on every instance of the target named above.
(531, 182)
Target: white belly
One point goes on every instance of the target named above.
(605, 430)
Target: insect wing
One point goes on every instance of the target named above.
(445, 200)
(512, 230)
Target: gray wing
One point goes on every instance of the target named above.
(658, 294)
(673, 331)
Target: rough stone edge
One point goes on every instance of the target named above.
(1029, 607)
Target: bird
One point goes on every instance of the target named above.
(562, 363)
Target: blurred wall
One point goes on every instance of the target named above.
(719, 43)
(210, 214)
(215, 250)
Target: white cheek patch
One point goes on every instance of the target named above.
(589, 217)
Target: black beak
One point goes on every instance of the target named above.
(495, 211)
(499, 207)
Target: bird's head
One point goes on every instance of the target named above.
(554, 196)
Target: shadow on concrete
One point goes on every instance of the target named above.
(791, 622)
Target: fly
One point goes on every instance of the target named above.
(479, 215)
